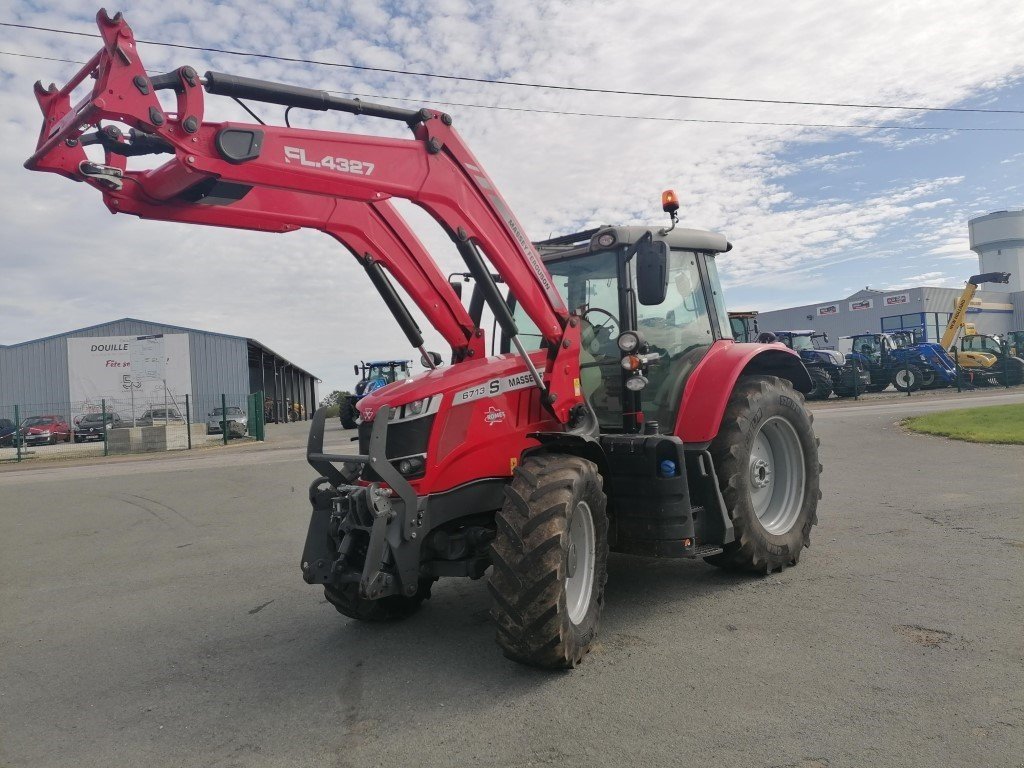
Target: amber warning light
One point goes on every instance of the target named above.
(669, 201)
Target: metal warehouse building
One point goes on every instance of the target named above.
(997, 238)
(140, 364)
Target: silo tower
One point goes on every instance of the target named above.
(998, 239)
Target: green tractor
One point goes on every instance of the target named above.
(374, 375)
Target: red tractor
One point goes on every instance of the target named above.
(619, 416)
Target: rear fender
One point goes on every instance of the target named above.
(713, 380)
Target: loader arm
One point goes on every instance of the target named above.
(956, 320)
(276, 178)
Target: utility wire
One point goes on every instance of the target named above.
(523, 84)
(612, 116)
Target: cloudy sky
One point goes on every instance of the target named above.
(814, 213)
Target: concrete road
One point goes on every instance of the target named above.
(152, 613)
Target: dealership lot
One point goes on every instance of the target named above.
(153, 612)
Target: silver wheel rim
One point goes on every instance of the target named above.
(777, 475)
(579, 566)
(903, 378)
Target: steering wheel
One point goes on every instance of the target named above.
(602, 326)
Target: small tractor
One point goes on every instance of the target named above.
(886, 362)
(830, 371)
(1007, 368)
(619, 415)
(744, 326)
(373, 376)
(938, 368)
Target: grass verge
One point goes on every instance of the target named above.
(992, 424)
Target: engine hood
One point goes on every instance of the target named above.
(451, 381)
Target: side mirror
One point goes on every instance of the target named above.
(651, 271)
(356, 369)
(826, 338)
(435, 358)
(457, 287)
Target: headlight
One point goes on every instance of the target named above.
(636, 383)
(415, 408)
(629, 341)
(45, 433)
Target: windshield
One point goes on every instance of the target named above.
(800, 343)
(35, 421)
(96, 417)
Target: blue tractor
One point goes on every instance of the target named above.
(900, 360)
(374, 375)
(829, 370)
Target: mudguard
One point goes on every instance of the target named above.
(710, 385)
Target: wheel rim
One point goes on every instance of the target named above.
(579, 570)
(777, 475)
(903, 378)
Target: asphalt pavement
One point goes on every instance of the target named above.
(153, 613)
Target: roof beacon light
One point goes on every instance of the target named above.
(670, 205)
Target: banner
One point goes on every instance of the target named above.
(101, 368)
(828, 309)
(861, 304)
(896, 299)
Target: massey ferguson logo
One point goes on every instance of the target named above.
(494, 416)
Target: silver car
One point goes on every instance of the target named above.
(238, 421)
(159, 416)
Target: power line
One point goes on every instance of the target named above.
(612, 116)
(524, 84)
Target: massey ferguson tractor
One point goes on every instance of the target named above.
(619, 416)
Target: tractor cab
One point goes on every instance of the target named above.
(870, 347)
(376, 374)
(801, 341)
(641, 337)
(979, 342)
(1015, 341)
(744, 326)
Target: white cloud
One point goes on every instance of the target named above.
(304, 296)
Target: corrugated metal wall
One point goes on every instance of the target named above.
(37, 371)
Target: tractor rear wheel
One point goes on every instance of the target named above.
(766, 457)
(348, 602)
(928, 378)
(907, 379)
(821, 383)
(550, 561)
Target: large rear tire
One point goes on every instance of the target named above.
(821, 383)
(766, 456)
(550, 561)
(348, 413)
(348, 602)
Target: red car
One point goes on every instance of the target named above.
(37, 430)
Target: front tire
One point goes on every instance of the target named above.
(907, 379)
(821, 383)
(550, 561)
(766, 457)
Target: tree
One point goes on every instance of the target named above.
(334, 398)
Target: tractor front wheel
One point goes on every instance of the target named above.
(821, 383)
(908, 379)
(550, 561)
(767, 460)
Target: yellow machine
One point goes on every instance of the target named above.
(974, 362)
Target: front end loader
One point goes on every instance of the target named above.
(618, 414)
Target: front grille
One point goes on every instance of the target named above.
(405, 438)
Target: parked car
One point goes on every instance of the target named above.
(158, 416)
(7, 431)
(238, 421)
(94, 426)
(48, 429)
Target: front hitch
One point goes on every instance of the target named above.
(387, 516)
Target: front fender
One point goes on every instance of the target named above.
(710, 385)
